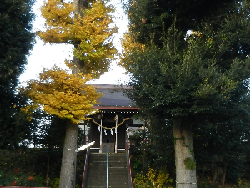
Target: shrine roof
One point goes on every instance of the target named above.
(114, 97)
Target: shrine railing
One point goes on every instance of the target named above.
(85, 168)
(130, 179)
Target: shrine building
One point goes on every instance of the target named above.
(116, 116)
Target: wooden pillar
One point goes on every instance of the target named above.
(100, 151)
(116, 133)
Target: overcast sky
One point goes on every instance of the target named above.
(46, 55)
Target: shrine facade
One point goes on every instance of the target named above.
(116, 114)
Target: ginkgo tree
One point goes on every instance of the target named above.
(68, 97)
(90, 34)
(62, 94)
(89, 27)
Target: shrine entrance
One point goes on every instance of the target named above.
(111, 126)
(116, 116)
(113, 119)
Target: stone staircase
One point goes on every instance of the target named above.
(117, 170)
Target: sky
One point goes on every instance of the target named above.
(46, 55)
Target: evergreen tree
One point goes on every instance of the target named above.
(190, 79)
(16, 40)
(221, 150)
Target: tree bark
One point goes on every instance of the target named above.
(184, 155)
(68, 168)
(79, 6)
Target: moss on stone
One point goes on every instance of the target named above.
(189, 163)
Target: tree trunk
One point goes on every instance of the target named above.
(68, 168)
(184, 155)
(79, 6)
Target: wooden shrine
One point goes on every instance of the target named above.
(116, 114)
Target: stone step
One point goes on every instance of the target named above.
(117, 171)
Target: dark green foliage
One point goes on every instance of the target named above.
(53, 134)
(153, 148)
(223, 145)
(16, 40)
(42, 164)
(216, 145)
(15, 129)
(161, 14)
(196, 80)
(202, 77)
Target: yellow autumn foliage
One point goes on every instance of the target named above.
(129, 45)
(62, 94)
(158, 178)
(90, 33)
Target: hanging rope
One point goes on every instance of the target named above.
(107, 128)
